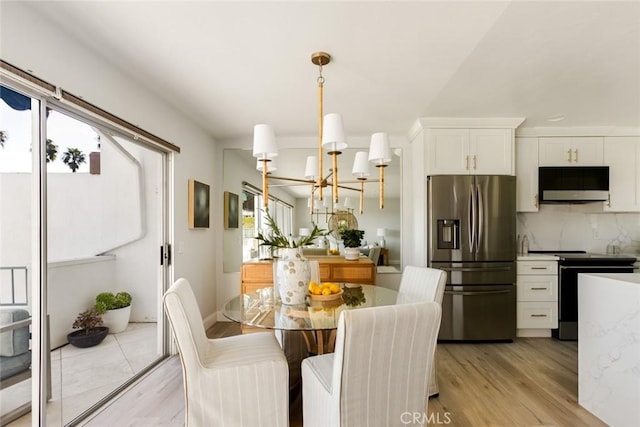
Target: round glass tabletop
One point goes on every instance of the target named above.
(248, 309)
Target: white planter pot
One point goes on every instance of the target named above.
(117, 320)
(351, 254)
(292, 276)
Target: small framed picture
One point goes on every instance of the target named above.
(231, 210)
(198, 204)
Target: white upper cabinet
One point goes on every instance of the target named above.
(622, 155)
(571, 151)
(470, 152)
(527, 174)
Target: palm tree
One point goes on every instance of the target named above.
(52, 151)
(3, 138)
(73, 158)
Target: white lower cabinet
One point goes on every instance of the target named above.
(537, 297)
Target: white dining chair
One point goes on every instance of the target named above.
(423, 284)
(234, 381)
(379, 370)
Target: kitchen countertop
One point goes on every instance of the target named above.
(608, 374)
(537, 257)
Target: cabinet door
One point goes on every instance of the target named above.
(448, 152)
(491, 152)
(622, 155)
(555, 151)
(527, 174)
(587, 151)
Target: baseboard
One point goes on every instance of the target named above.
(533, 333)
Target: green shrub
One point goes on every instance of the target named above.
(108, 301)
(88, 320)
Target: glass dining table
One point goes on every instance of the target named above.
(316, 320)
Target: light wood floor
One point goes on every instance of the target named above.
(532, 382)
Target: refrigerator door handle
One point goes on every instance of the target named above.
(478, 269)
(472, 220)
(480, 226)
(477, 293)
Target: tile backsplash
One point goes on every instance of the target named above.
(580, 227)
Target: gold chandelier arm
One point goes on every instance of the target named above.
(265, 186)
(286, 178)
(381, 190)
(334, 157)
(361, 197)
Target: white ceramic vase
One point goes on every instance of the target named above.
(117, 320)
(351, 254)
(292, 276)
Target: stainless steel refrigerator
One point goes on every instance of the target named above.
(472, 236)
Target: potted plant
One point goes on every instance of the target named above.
(292, 271)
(115, 310)
(352, 239)
(91, 332)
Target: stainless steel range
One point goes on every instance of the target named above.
(570, 265)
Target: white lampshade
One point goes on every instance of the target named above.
(360, 165)
(333, 138)
(379, 150)
(381, 232)
(264, 142)
(311, 169)
(271, 165)
(303, 232)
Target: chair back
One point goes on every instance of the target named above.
(420, 284)
(186, 322)
(382, 362)
(374, 254)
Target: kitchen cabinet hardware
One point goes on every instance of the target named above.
(538, 315)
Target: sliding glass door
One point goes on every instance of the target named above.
(84, 212)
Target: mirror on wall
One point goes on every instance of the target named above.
(381, 226)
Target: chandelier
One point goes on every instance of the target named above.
(331, 138)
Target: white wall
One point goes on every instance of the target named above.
(580, 227)
(31, 43)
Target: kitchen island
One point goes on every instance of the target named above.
(609, 347)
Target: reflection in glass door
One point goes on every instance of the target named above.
(104, 219)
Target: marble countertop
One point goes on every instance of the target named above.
(537, 257)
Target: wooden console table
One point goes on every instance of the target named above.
(259, 274)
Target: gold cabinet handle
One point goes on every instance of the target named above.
(538, 289)
(466, 165)
(535, 200)
(538, 315)
(609, 200)
(475, 162)
(576, 153)
(569, 153)
(539, 268)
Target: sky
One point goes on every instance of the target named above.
(66, 132)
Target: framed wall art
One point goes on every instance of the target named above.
(231, 210)
(198, 204)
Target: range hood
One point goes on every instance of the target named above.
(573, 184)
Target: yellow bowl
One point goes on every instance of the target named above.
(326, 297)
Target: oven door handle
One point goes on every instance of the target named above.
(477, 293)
(602, 267)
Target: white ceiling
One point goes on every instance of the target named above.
(231, 65)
